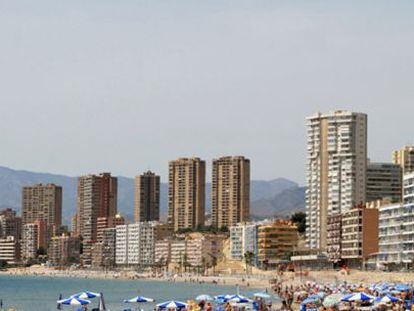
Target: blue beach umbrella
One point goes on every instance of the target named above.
(73, 301)
(204, 298)
(358, 297)
(177, 305)
(402, 287)
(238, 299)
(387, 299)
(139, 299)
(86, 295)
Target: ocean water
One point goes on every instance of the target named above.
(41, 293)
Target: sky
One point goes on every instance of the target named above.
(126, 86)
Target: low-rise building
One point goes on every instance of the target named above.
(359, 240)
(10, 250)
(276, 242)
(203, 250)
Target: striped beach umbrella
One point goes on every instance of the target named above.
(177, 305)
(387, 299)
(139, 299)
(204, 298)
(358, 297)
(73, 301)
(86, 295)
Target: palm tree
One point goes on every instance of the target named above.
(248, 260)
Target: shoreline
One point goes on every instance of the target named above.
(245, 281)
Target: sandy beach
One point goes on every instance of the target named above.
(259, 279)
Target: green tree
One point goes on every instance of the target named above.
(299, 218)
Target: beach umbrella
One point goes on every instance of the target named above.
(312, 299)
(73, 301)
(262, 295)
(139, 299)
(332, 300)
(239, 299)
(358, 297)
(204, 298)
(387, 299)
(86, 295)
(177, 305)
(402, 287)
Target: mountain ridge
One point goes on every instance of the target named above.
(278, 196)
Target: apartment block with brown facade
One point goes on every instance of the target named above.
(230, 193)
(147, 197)
(97, 198)
(359, 240)
(186, 193)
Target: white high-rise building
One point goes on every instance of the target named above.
(336, 169)
(396, 228)
(243, 239)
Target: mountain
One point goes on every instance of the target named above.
(282, 204)
(275, 197)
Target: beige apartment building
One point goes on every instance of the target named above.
(384, 182)
(276, 242)
(44, 203)
(230, 191)
(186, 193)
(336, 169)
(147, 197)
(359, 240)
(404, 158)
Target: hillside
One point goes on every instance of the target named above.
(275, 197)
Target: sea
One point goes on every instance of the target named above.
(38, 293)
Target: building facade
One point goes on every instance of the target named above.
(34, 237)
(97, 198)
(64, 250)
(384, 182)
(147, 197)
(334, 236)
(10, 250)
(10, 224)
(43, 203)
(135, 243)
(243, 239)
(404, 158)
(336, 169)
(276, 242)
(230, 193)
(359, 239)
(186, 193)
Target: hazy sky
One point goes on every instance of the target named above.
(124, 86)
